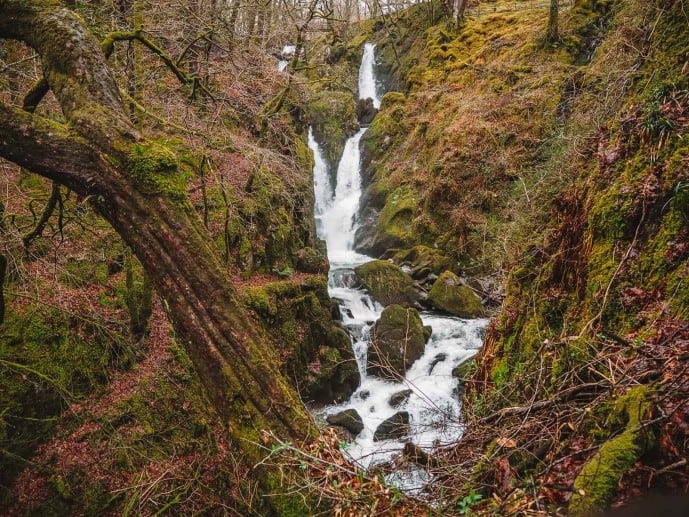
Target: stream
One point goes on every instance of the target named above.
(433, 404)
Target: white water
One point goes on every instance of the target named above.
(287, 52)
(433, 405)
(368, 89)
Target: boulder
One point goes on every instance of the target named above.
(394, 428)
(365, 111)
(439, 358)
(310, 260)
(451, 295)
(387, 283)
(399, 398)
(397, 340)
(463, 370)
(423, 260)
(349, 419)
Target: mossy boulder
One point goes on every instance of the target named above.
(310, 260)
(423, 260)
(387, 283)
(451, 295)
(463, 370)
(314, 350)
(397, 340)
(394, 226)
(598, 480)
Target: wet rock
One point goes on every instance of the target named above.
(310, 260)
(437, 359)
(387, 283)
(399, 398)
(363, 395)
(397, 340)
(365, 111)
(451, 295)
(415, 454)
(335, 311)
(394, 428)
(349, 419)
(463, 370)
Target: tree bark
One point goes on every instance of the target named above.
(553, 34)
(131, 182)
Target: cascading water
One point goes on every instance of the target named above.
(433, 405)
(368, 87)
(286, 54)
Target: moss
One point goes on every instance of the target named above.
(450, 294)
(154, 170)
(598, 480)
(314, 351)
(397, 340)
(422, 257)
(387, 283)
(332, 116)
(47, 358)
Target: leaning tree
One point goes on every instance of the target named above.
(134, 183)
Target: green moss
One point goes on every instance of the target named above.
(450, 294)
(598, 480)
(314, 351)
(332, 116)
(154, 170)
(421, 258)
(397, 340)
(387, 283)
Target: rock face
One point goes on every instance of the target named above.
(397, 340)
(451, 295)
(310, 260)
(314, 351)
(387, 283)
(365, 111)
(349, 419)
(393, 428)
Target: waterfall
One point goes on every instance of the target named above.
(433, 405)
(285, 56)
(368, 88)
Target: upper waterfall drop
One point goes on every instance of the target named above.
(368, 88)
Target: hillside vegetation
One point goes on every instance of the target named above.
(562, 168)
(552, 176)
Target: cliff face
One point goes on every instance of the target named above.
(564, 169)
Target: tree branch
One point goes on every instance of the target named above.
(108, 46)
(48, 148)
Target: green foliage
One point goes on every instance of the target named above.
(464, 505)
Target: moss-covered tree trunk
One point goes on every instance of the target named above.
(134, 184)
